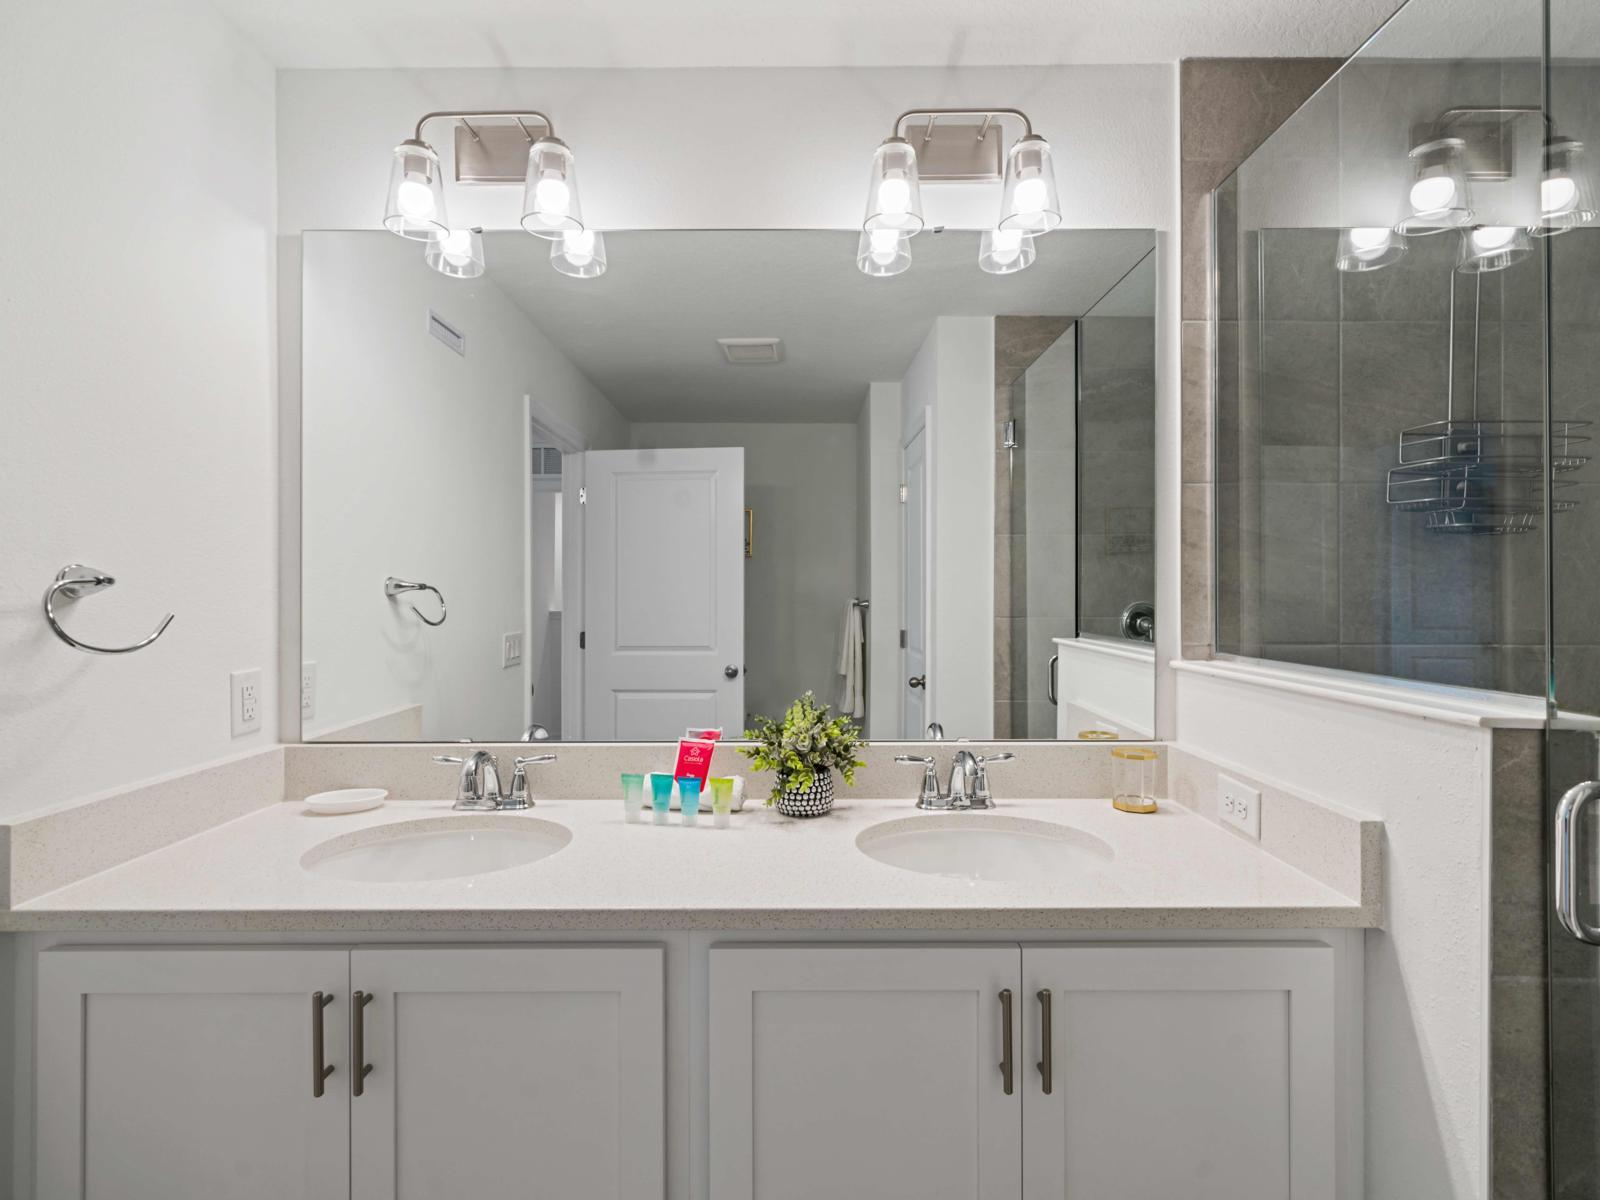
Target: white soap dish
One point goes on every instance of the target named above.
(346, 800)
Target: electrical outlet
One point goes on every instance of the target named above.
(511, 649)
(244, 691)
(1239, 805)
(308, 690)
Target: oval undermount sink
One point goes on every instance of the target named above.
(436, 848)
(983, 848)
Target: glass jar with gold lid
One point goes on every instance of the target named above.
(1133, 779)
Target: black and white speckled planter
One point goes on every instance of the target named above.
(814, 801)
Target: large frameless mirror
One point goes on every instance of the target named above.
(727, 469)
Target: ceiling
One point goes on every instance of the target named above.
(762, 33)
(645, 333)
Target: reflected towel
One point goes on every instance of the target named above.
(852, 664)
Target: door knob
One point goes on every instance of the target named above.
(918, 681)
(731, 671)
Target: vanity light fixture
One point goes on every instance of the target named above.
(883, 252)
(1005, 251)
(1566, 199)
(580, 253)
(457, 253)
(1486, 248)
(1369, 248)
(1438, 198)
(526, 151)
(959, 145)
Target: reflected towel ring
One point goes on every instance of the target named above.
(393, 587)
(75, 580)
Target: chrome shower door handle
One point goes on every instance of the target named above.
(1050, 679)
(1569, 860)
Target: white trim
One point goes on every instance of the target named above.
(1431, 702)
(1139, 652)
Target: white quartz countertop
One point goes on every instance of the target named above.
(1171, 869)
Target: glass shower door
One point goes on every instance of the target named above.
(1572, 246)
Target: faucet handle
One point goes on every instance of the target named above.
(454, 760)
(922, 760)
(982, 797)
(928, 796)
(1003, 756)
(519, 798)
(535, 758)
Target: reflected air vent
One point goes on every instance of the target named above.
(752, 350)
(447, 333)
(546, 468)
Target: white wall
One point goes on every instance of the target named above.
(878, 553)
(738, 148)
(801, 482)
(953, 377)
(413, 466)
(1427, 969)
(136, 378)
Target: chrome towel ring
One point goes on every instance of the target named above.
(75, 580)
(393, 587)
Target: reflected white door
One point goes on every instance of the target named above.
(663, 593)
(914, 707)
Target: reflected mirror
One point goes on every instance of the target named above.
(729, 470)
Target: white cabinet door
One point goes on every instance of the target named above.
(510, 1071)
(187, 1074)
(1200, 1071)
(864, 1071)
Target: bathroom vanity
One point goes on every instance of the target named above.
(881, 1002)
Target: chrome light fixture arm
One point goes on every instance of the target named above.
(465, 117)
(75, 580)
(988, 115)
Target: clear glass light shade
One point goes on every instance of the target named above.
(457, 253)
(415, 204)
(1030, 203)
(1369, 248)
(580, 253)
(1566, 193)
(1487, 248)
(883, 252)
(1438, 197)
(550, 205)
(1005, 251)
(894, 195)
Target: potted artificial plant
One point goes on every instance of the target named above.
(803, 751)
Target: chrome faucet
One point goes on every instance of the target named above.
(969, 781)
(479, 789)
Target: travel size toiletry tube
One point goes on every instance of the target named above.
(694, 759)
(661, 796)
(632, 797)
(689, 799)
(721, 800)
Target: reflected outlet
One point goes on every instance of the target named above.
(308, 690)
(1239, 806)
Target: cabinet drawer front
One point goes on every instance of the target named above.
(863, 1071)
(500, 1069)
(1198, 1071)
(175, 1073)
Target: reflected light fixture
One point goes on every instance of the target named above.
(959, 145)
(494, 148)
(580, 253)
(1005, 251)
(457, 253)
(1369, 248)
(1566, 199)
(883, 252)
(1486, 248)
(1438, 197)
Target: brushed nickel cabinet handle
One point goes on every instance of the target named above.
(1046, 1058)
(320, 1069)
(358, 1041)
(1006, 1067)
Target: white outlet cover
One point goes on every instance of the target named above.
(244, 701)
(308, 690)
(1239, 805)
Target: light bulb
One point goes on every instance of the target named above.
(1031, 195)
(415, 199)
(552, 196)
(894, 195)
(578, 247)
(1492, 237)
(885, 245)
(1434, 194)
(1369, 238)
(456, 247)
(1557, 194)
(1006, 244)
